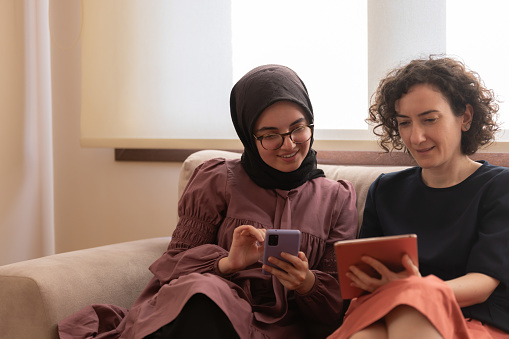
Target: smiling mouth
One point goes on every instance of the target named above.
(289, 155)
(424, 150)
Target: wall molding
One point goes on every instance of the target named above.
(369, 158)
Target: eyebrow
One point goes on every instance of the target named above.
(275, 128)
(398, 115)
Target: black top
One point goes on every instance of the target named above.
(460, 229)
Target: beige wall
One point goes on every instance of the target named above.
(97, 200)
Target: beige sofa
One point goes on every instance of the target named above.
(36, 294)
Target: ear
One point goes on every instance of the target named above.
(467, 118)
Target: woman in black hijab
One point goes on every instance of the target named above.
(210, 282)
(275, 185)
(253, 93)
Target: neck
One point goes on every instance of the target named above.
(450, 174)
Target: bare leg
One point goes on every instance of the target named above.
(374, 331)
(406, 322)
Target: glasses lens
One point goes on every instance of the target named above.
(301, 134)
(298, 136)
(272, 141)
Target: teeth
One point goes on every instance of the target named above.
(288, 156)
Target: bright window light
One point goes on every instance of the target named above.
(476, 33)
(325, 42)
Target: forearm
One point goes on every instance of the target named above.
(473, 288)
(224, 266)
(199, 259)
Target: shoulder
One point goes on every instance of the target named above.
(490, 179)
(214, 171)
(226, 174)
(491, 172)
(333, 188)
(399, 175)
(327, 183)
(218, 165)
(396, 179)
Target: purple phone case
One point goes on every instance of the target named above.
(288, 241)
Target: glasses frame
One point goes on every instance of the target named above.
(283, 135)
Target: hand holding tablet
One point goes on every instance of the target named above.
(389, 250)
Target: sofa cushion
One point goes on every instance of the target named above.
(38, 293)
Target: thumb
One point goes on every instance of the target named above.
(409, 265)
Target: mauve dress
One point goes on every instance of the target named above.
(219, 197)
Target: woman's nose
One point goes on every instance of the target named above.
(287, 142)
(418, 135)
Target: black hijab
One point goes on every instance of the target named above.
(251, 95)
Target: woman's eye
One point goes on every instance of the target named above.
(431, 120)
(270, 136)
(403, 123)
(299, 129)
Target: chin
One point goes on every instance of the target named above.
(423, 161)
(288, 167)
(284, 165)
(427, 164)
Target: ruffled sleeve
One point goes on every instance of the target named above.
(201, 209)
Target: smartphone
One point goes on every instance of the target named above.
(277, 241)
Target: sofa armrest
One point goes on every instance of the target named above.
(36, 294)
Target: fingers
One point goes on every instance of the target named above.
(363, 280)
(293, 269)
(249, 231)
(366, 281)
(293, 273)
(246, 247)
(377, 265)
(409, 265)
(299, 262)
(369, 283)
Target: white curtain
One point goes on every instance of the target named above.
(26, 167)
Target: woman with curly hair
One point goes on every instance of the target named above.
(440, 112)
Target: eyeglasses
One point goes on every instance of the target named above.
(297, 135)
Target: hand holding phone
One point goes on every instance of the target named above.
(277, 241)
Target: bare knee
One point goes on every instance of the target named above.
(407, 322)
(376, 331)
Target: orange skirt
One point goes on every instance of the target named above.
(430, 296)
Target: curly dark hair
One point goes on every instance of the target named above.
(459, 85)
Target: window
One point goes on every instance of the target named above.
(315, 39)
(155, 73)
(158, 74)
(476, 32)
